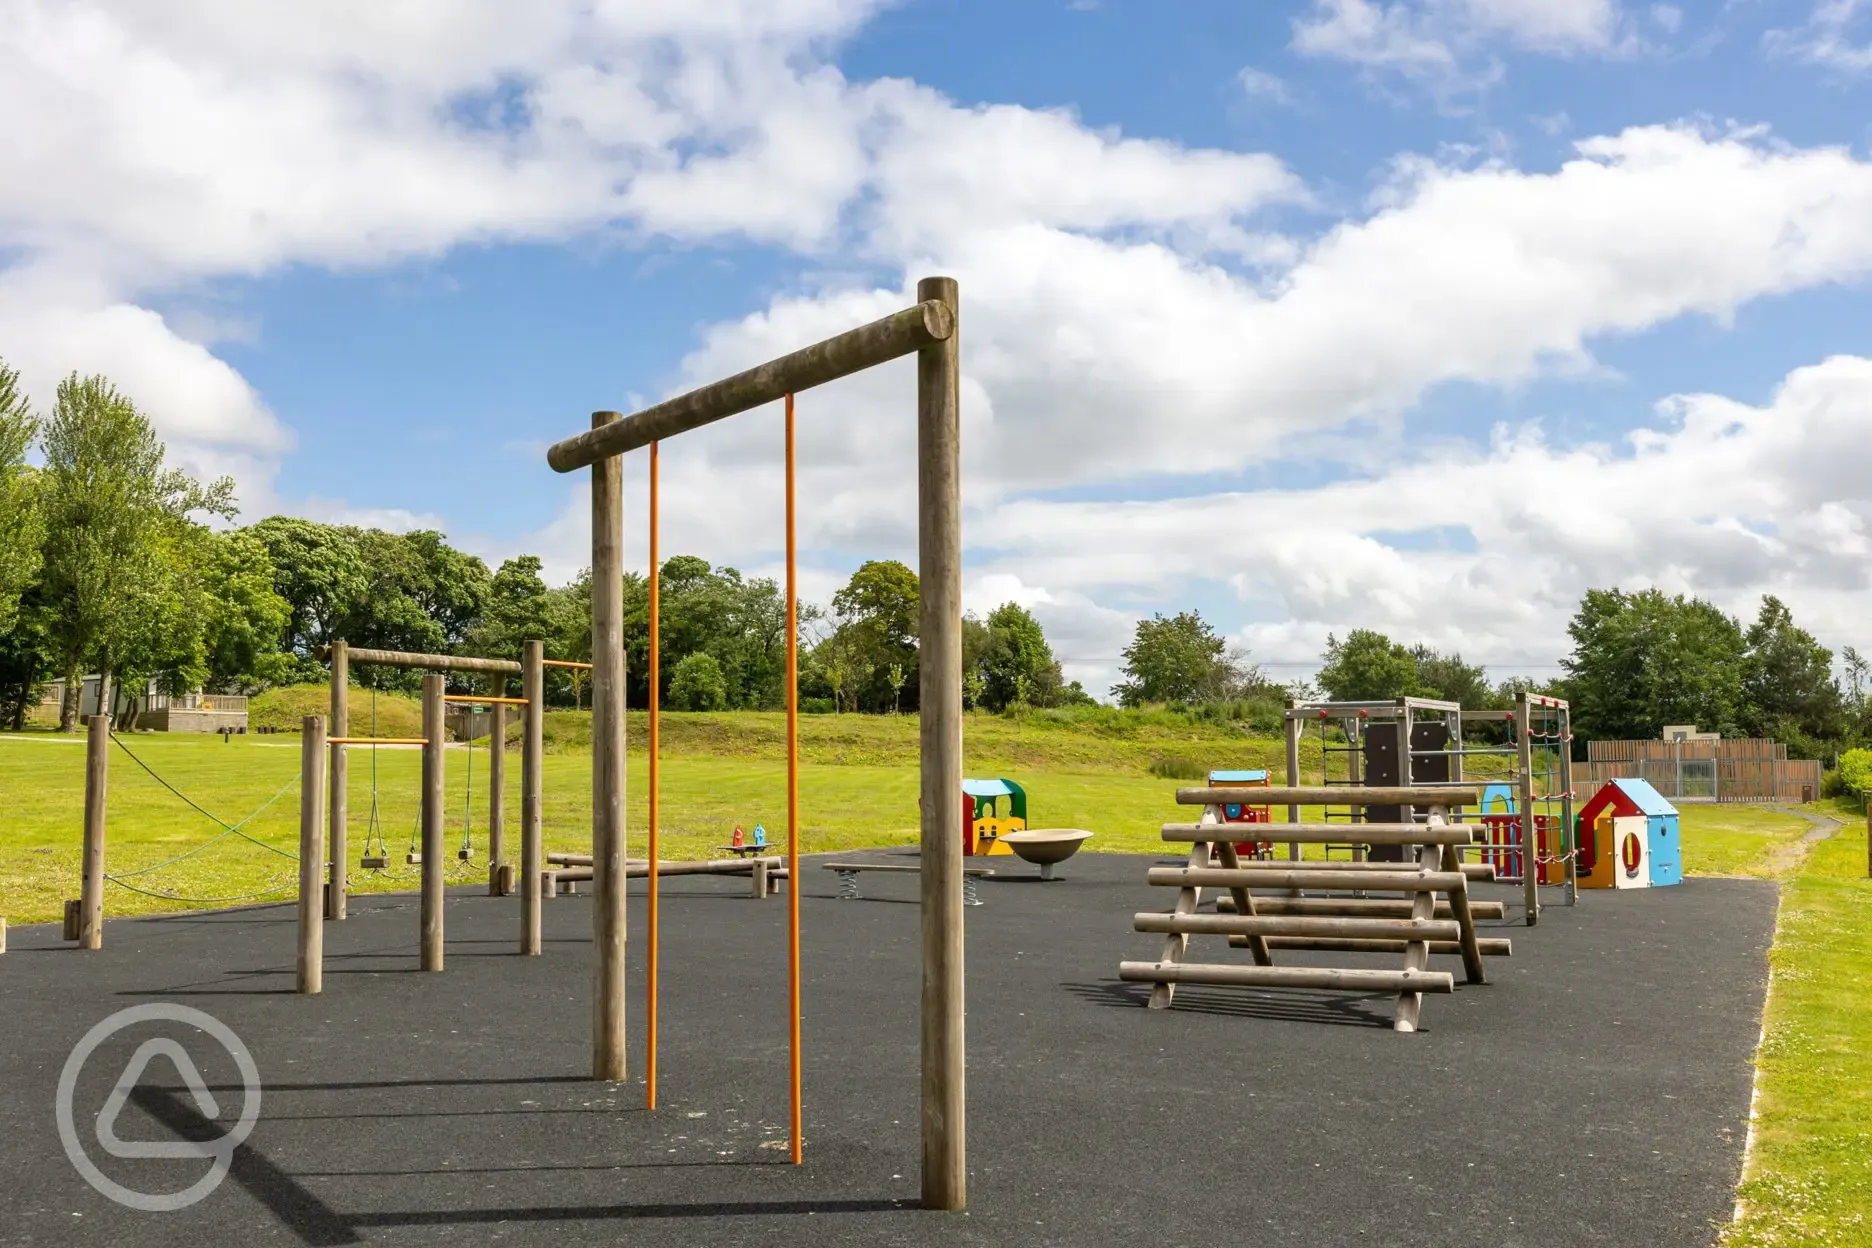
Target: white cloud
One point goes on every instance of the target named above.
(1837, 35)
(1258, 84)
(1131, 320)
(1449, 42)
(1716, 497)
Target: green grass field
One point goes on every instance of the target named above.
(858, 788)
(1809, 1180)
(1810, 1177)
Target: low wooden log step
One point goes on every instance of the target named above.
(1385, 907)
(1488, 946)
(1398, 930)
(1398, 879)
(1332, 833)
(1481, 871)
(1337, 795)
(1348, 978)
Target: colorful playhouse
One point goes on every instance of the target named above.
(1628, 838)
(1237, 813)
(983, 819)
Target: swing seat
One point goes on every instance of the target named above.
(413, 858)
(373, 862)
(466, 855)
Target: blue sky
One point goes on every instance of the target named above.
(1314, 315)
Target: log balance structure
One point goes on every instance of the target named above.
(928, 330)
(1433, 915)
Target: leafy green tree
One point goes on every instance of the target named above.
(1017, 664)
(319, 572)
(247, 619)
(698, 684)
(878, 623)
(117, 537)
(22, 528)
(1645, 659)
(1788, 690)
(1446, 676)
(738, 621)
(1368, 667)
(1172, 660)
(26, 658)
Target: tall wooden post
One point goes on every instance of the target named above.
(497, 796)
(435, 738)
(532, 812)
(340, 776)
(939, 702)
(608, 932)
(312, 749)
(97, 788)
(1524, 758)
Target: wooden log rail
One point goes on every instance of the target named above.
(1359, 979)
(1377, 907)
(1395, 879)
(899, 334)
(433, 662)
(1412, 795)
(1340, 833)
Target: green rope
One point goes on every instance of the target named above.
(233, 828)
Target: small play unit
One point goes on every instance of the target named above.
(1236, 812)
(1628, 838)
(985, 820)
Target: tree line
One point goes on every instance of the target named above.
(114, 563)
(1643, 659)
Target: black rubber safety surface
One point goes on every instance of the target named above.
(1595, 1092)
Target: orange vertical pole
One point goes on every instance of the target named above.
(650, 966)
(792, 791)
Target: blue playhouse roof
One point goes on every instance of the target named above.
(1647, 799)
(1237, 777)
(987, 788)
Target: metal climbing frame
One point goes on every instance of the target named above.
(1539, 768)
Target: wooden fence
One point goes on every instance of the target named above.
(1752, 769)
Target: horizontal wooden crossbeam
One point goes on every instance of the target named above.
(1269, 876)
(1389, 907)
(1328, 833)
(376, 741)
(1358, 979)
(1488, 946)
(898, 334)
(1296, 925)
(432, 662)
(1417, 795)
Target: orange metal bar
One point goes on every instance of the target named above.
(470, 698)
(583, 667)
(650, 972)
(376, 741)
(792, 794)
